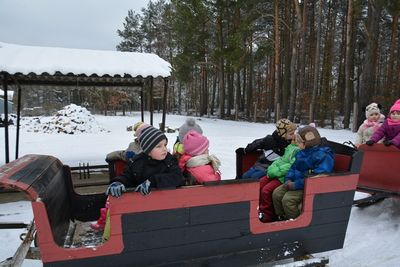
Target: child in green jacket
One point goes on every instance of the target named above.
(275, 177)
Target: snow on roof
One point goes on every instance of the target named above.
(35, 59)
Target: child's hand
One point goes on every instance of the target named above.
(388, 142)
(115, 189)
(290, 185)
(370, 142)
(144, 188)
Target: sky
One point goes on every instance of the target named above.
(372, 237)
(86, 24)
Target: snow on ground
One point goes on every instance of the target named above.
(373, 235)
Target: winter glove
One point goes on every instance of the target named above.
(370, 142)
(144, 188)
(388, 142)
(115, 189)
(290, 185)
(240, 151)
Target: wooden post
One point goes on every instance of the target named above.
(151, 101)
(7, 151)
(277, 112)
(142, 103)
(162, 128)
(18, 119)
(355, 114)
(23, 249)
(255, 112)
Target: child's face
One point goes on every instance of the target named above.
(159, 152)
(289, 135)
(301, 145)
(374, 117)
(395, 115)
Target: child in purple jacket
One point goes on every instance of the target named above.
(390, 130)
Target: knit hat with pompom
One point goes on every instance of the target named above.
(195, 143)
(396, 106)
(284, 126)
(149, 138)
(190, 124)
(371, 109)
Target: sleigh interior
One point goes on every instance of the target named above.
(213, 224)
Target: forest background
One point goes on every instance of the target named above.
(310, 60)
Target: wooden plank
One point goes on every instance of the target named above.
(186, 235)
(22, 250)
(337, 199)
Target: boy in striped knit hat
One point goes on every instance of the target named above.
(154, 167)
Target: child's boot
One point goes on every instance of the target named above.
(99, 224)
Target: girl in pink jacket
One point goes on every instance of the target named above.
(196, 161)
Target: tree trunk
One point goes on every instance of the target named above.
(276, 58)
(295, 38)
(368, 75)
(348, 64)
(316, 62)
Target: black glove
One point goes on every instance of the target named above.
(115, 189)
(240, 151)
(388, 142)
(370, 142)
(144, 188)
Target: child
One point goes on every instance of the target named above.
(273, 145)
(154, 167)
(390, 130)
(190, 124)
(129, 153)
(275, 177)
(374, 120)
(133, 148)
(196, 161)
(311, 159)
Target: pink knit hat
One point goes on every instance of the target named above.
(140, 128)
(195, 143)
(396, 106)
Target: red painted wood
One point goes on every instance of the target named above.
(380, 168)
(50, 251)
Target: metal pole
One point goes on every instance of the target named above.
(151, 101)
(7, 151)
(164, 104)
(18, 120)
(142, 103)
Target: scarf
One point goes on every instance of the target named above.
(204, 159)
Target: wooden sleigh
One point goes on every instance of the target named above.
(215, 224)
(379, 168)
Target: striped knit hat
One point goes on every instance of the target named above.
(149, 138)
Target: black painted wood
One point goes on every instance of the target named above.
(29, 173)
(195, 237)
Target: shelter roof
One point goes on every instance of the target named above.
(31, 61)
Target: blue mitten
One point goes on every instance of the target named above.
(115, 189)
(144, 188)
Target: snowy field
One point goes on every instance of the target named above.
(372, 237)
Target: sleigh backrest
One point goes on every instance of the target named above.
(379, 168)
(44, 179)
